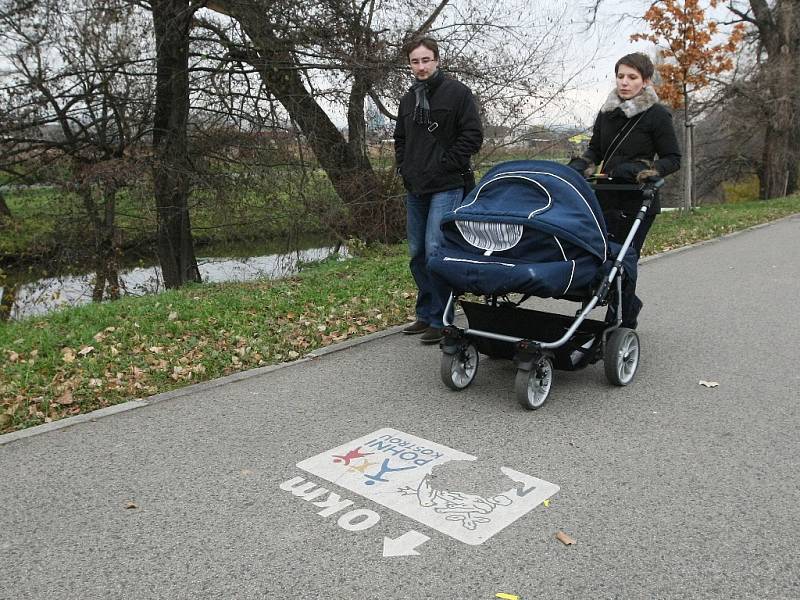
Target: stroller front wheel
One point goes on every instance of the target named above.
(458, 369)
(621, 356)
(533, 387)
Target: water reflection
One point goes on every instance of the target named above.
(45, 295)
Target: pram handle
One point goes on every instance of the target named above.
(651, 184)
(649, 188)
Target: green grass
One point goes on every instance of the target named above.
(84, 358)
(676, 229)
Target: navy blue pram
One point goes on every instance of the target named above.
(535, 228)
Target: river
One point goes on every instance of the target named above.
(33, 298)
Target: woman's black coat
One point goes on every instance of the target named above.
(629, 145)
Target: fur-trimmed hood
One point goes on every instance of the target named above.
(636, 105)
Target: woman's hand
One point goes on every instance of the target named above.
(646, 174)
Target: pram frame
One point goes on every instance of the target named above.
(534, 358)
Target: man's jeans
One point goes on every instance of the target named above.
(424, 213)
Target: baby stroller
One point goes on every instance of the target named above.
(535, 229)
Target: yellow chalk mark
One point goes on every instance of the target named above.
(506, 596)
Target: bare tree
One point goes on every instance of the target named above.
(316, 60)
(75, 104)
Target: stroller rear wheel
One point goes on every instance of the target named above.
(621, 356)
(458, 369)
(532, 387)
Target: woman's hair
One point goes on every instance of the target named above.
(418, 41)
(640, 62)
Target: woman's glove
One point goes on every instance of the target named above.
(646, 174)
(582, 166)
(630, 172)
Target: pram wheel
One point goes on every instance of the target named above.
(533, 387)
(621, 356)
(458, 369)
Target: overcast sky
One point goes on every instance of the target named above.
(610, 39)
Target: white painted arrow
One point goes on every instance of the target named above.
(404, 545)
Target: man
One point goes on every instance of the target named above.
(438, 130)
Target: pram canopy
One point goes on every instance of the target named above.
(529, 226)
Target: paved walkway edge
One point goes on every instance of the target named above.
(186, 391)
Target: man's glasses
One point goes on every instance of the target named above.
(422, 61)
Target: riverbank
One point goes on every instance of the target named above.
(85, 358)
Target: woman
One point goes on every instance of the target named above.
(632, 139)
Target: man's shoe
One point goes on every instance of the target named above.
(432, 335)
(416, 327)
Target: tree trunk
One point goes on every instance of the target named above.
(775, 178)
(172, 168)
(779, 32)
(4, 210)
(7, 299)
(346, 164)
(356, 122)
(106, 252)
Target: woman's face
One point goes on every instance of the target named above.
(629, 82)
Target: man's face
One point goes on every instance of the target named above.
(422, 62)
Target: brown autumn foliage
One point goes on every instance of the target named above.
(681, 30)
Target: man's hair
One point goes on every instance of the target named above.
(418, 41)
(640, 62)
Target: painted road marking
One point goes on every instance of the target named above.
(405, 545)
(393, 468)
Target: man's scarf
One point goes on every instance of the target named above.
(422, 89)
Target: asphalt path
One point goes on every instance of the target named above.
(670, 489)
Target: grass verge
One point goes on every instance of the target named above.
(85, 358)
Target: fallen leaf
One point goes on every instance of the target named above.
(292, 354)
(155, 349)
(130, 505)
(68, 355)
(564, 538)
(64, 399)
(546, 503)
(506, 596)
(13, 357)
(86, 350)
(172, 316)
(708, 384)
(5, 420)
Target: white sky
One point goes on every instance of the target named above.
(594, 82)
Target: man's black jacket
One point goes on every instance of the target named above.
(434, 158)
